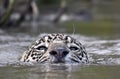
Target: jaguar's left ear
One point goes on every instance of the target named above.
(69, 39)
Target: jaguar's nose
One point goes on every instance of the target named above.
(60, 52)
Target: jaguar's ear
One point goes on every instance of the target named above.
(69, 39)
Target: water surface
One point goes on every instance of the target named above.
(104, 55)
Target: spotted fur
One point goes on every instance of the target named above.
(39, 51)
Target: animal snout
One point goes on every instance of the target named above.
(59, 52)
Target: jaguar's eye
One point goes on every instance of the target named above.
(74, 48)
(41, 48)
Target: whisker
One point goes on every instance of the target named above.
(73, 29)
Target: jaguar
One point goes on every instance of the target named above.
(56, 48)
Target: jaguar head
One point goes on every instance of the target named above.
(56, 48)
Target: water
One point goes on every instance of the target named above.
(60, 72)
(103, 53)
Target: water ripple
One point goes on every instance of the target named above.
(100, 51)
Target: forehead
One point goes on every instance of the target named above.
(55, 37)
(59, 37)
(51, 39)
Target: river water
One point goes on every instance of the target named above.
(104, 55)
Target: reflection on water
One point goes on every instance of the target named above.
(103, 53)
(60, 72)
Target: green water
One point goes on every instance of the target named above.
(102, 47)
(102, 44)
(61, 72)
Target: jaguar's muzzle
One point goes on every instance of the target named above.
(58, 53)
